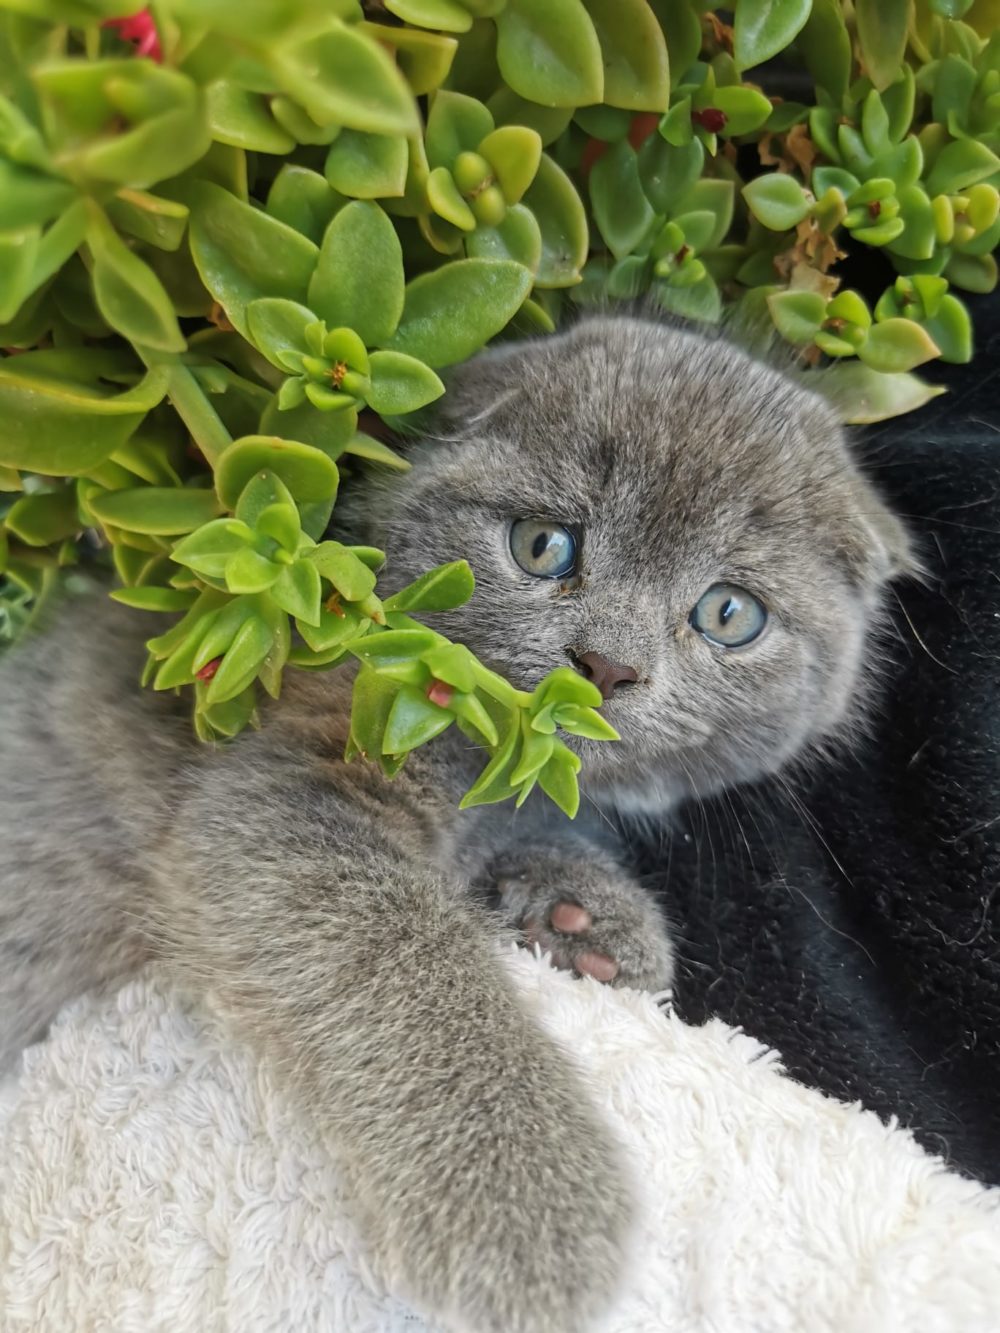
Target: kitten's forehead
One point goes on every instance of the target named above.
(623, 412)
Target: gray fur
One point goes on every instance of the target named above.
(338, 918)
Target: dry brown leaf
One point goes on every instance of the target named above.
(800, 148)
(722, 33)
(795, 151)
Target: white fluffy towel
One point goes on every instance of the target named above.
(151, 1178)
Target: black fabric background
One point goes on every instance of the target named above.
(853, 922)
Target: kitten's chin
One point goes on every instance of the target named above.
(617, 774)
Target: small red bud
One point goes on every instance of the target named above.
(440, 693)
(140, 30)
(208, 670)
(593, 151)
(711, 119)
(642, 127)
(874, 208)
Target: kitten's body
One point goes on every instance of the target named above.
(333, 914)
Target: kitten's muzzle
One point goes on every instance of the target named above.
(608, 676)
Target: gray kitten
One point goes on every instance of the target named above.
(682, 524)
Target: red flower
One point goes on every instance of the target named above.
(209, 670)
(140, 30)
(711, 119)
(439, 693)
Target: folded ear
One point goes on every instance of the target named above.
(884, 550)
(873, 542)
(477, 389)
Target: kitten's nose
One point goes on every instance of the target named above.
(605, 674)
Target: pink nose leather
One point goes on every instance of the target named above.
(605, 674)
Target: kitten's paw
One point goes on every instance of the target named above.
(611, 932)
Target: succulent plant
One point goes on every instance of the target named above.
(230, 234)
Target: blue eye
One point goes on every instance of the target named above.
(547, 550)
(729, 616)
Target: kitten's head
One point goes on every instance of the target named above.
(672, 518)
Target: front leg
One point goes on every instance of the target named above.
(487, 1190)
(575, 901)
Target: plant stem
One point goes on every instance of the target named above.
(193, 407)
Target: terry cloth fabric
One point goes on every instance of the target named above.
(152, 1179)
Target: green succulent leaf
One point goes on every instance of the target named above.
(863, 395)
(621, 210)
(365, 446)
(559, 781)
(441, 589)
(243, 119)
(248, 572)
(149, 218)
(518, 237)
(456, 124)
(447, 201)
(307, 473)
(241, 253)
(514, 152)
(368, 166)
(241, 661)
(154, 599)
(634, 52)
(61, 415)
(18, 258)
(745, 109)
(825, 45)
(424, 57)
(897, 345)
(358, 279)
(950, 9)
(452, 312)
(917, 239)
(960, 165)
(764, 27)
(973, 273)
(453, 664)
(401, 383)
(899, 100)
(303, 200)
(494, 784)
(667, 171)
(342, 76)
(445, 15)
(278, 327)
(951, 328)
(882, 29)
(700, 301)
(156, 510)
(344, 569)
(41, 519)
(129, 294)
(549, 52)
(875, 124)
(297, 591)
(210, 546)
(562, 221)
(798, 316)
(777, 201)
(413, 720)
